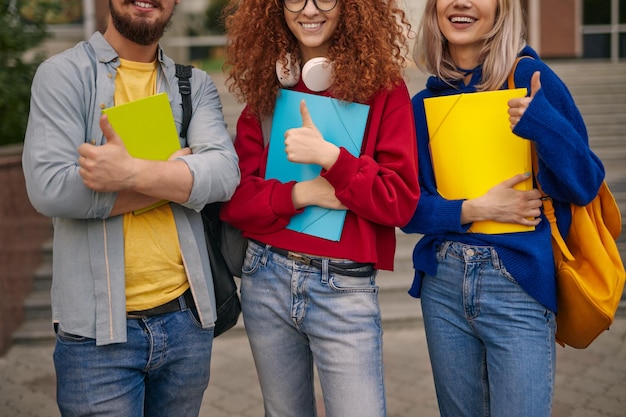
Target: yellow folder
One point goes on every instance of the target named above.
(473, 148)
(147, 129)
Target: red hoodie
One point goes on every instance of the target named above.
(380, 187)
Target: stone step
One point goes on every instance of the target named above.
(37, 305)
(43, 277)
(599, 141)
(614, 118)
(607, 154)
(34, 331)
(592, 108)
(607, 129)
(606, 87)
(587, 72)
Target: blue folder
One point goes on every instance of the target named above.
(342, 124)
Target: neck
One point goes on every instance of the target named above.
(129, 50)
(463, 57)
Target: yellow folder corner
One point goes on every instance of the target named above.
(473, 148)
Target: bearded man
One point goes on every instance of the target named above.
(133, 306)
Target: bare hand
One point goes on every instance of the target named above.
(179, 153)
(505, 204)
(518, 106)
(108, 167)
(306, 145)
(316, 192)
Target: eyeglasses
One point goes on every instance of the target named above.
(296, 6)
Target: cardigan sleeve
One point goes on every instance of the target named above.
(434, 214)
(568, 169)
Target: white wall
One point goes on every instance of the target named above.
(414, 9)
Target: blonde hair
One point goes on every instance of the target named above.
(368, 49)
(502, 45)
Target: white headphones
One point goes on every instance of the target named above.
(317, 73)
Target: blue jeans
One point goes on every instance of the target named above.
(162, 370)
(297, 316)
(491, 345)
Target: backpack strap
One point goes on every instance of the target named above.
(183, 72)
(548, 208)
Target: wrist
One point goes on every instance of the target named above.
(471, 211)
(330, 156)
(299, 195)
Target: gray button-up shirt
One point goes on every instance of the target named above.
(69, 92)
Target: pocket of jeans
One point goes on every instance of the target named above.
(193, 314)
(506, 274)
(69, 337)
(344, 283)
(251, 263)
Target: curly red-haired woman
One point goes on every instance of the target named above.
(309, 300)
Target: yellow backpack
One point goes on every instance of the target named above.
(589, 269)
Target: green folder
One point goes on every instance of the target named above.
(147, 129)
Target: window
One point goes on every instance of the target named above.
(597, 12)
(604, 29)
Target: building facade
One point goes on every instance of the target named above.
(587, 29)
(567, 29)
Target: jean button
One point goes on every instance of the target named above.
(469, 252)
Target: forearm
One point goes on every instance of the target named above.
(161, 180)
(128, 201)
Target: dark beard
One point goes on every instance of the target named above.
(138, 32)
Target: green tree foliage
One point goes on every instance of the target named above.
(18, 37)
(214, 17)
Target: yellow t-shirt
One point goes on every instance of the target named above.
(154, 268)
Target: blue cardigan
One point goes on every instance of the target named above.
(568, 171)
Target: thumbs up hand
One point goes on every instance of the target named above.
(518, 106)
(306, 145)
(108, 167)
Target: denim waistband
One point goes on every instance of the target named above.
(469, 253)
(349, 268)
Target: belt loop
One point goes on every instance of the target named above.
(182, 302)
(443, 249)
(495, 259)
(266, 253)
(324, 269)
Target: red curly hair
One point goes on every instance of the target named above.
(368, 50)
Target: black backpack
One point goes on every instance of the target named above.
(215, 232)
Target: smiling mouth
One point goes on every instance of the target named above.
(311, 26)
(462, 19)
(144, 5)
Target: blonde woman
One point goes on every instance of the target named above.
(489, 300)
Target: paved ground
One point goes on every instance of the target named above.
(589, 383)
